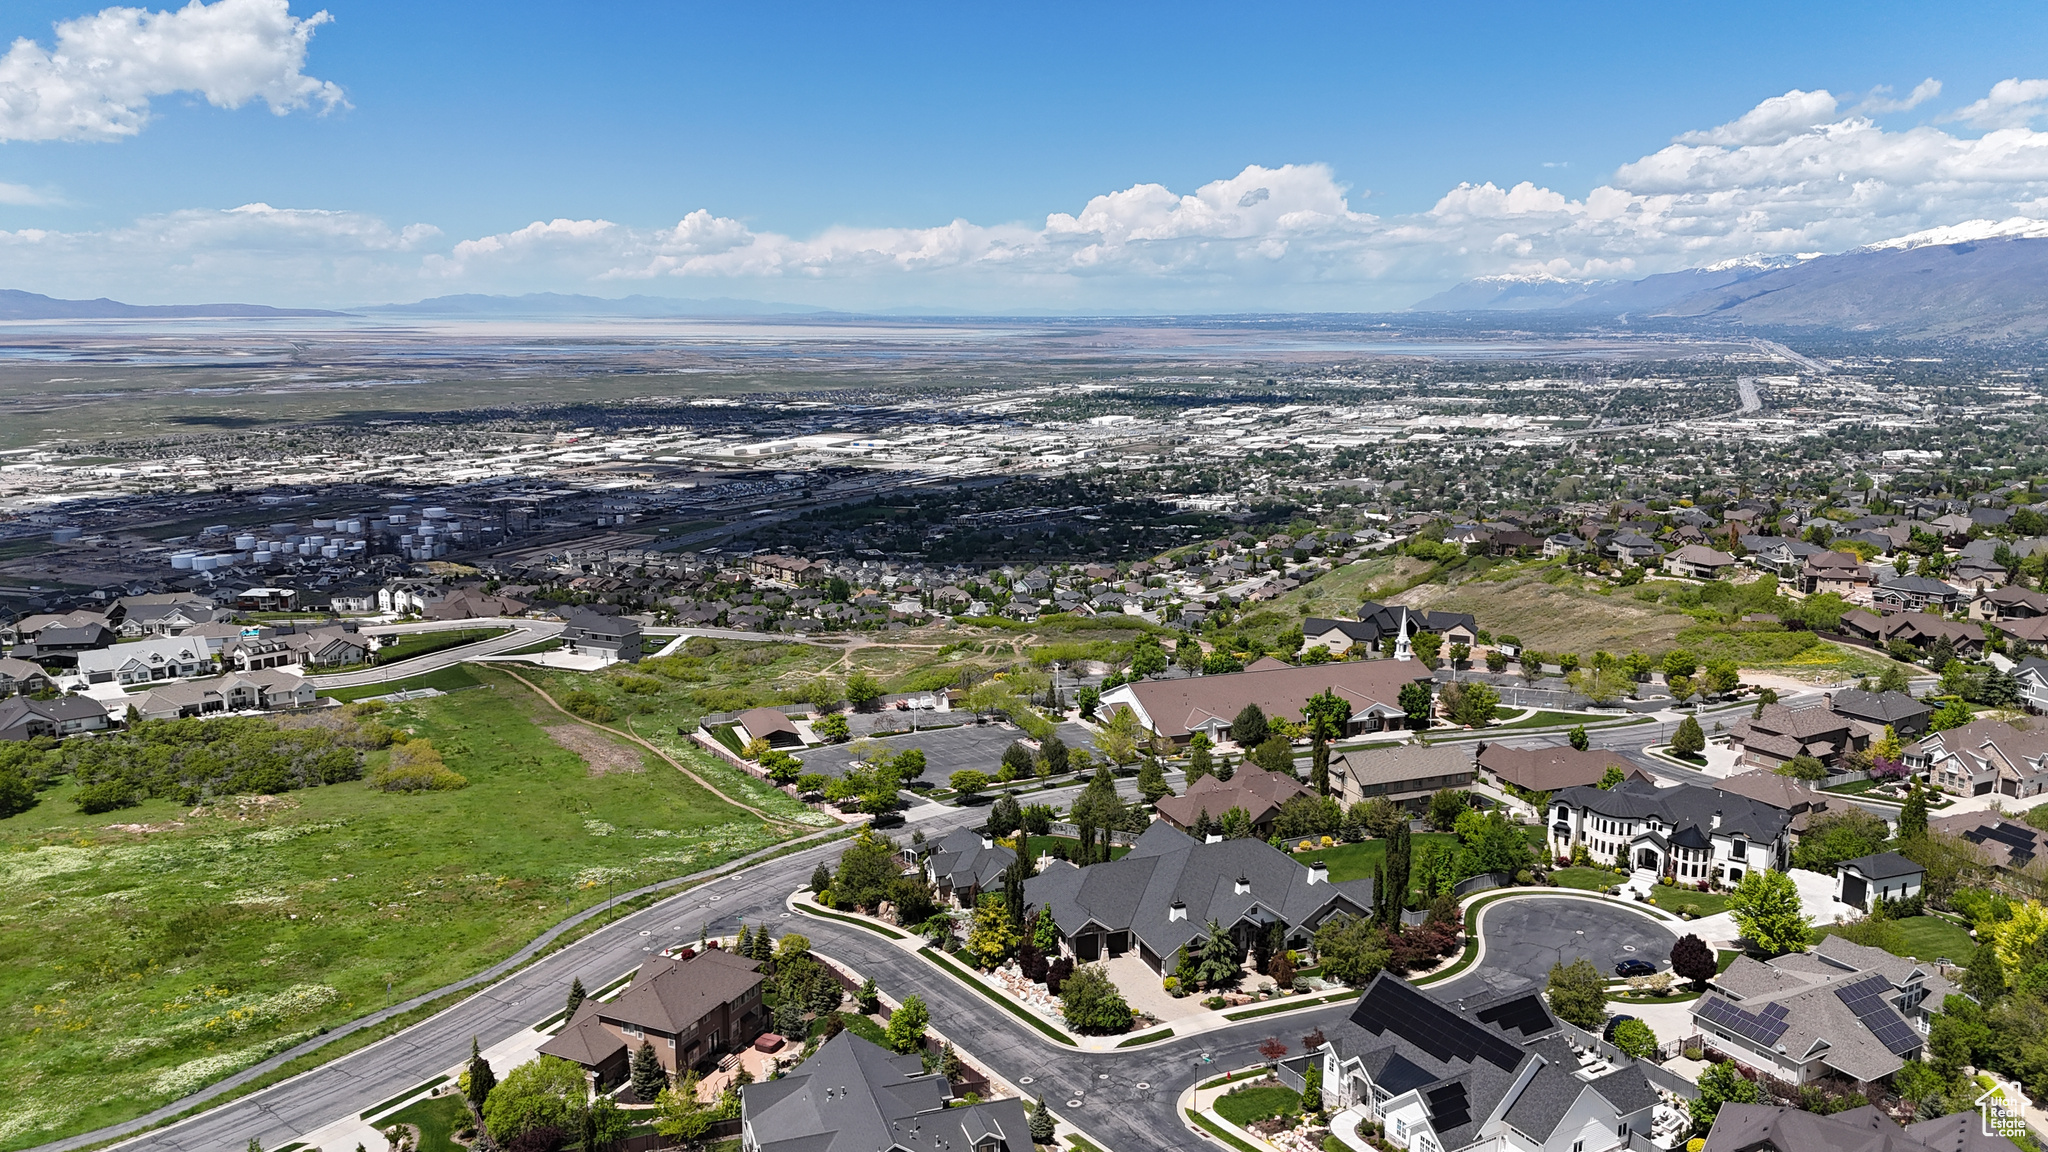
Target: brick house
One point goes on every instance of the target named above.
(691, 1010)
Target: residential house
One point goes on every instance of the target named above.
(2033, 632)
(1778, 733)
(1839, 572)
(1545, 769)
(1385, 627)
(1166, 891)
(161, 614)
(1688, 832)
(62, 635)
(1491, 1073)
(964, 864)
(1839, 1009)
(2031, 675)
(1793, 797)
(472, 604)
(1917, 594)
(2002, 845)
(25, 718)
(1904, 715)
(1916, 628)
(2010, 602)
(1879, 876)
(1562, 544)
(1777, 1128)
(770, 724)
(1177, 709)
(1407, 774)
(267, 599)
(334, 646)
(1260, 793)
(691, 1010)
(853, 1096)
(142, 661)
(23, 678)
(1699, 562)
(790, 569)
(594, 634)
(1784, 556)
(1630, 548)
(264, 690)
(1982, 757)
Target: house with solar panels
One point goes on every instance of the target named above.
(1496, 1073)
(1841, 1009)
(1689, 833)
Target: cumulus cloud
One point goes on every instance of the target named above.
(97, 81)
(1881, 101)
(1795, 174)
(2013, 103)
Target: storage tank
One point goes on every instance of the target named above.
(319, 523)
(284, 529)
(244, 542)
(183, 560)
(436, 513)
(65, 535)
(261, 556)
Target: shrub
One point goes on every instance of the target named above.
(589, 706)
(1090, 1002)
(106, 796)
(417, 767)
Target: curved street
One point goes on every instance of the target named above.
(523, 632)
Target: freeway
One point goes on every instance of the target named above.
(523, 633)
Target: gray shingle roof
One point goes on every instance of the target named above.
(852, 1096)
(1680, 806)
(962, 861)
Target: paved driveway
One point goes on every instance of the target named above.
(946, 750)
(1524, 937)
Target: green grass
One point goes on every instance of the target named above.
(1082, 1144)
(1290, 1004)
(891, 933)
(1852, 788)
(1363, 859)
(425, 643)
(1247, 1105)
(447, 680)
(1724, 957)
(126, 956)
(1703, 903)
(1928, 938)
(371, 1112)
(437, 1118)
(1589, 879)
(1147, 1038)
(1014, 1009)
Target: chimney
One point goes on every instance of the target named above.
(1213, 838)
(1827, 699)
(1318, 872)
(1244, 885)
(1717, 820)
(1177, 911)
(987, 841)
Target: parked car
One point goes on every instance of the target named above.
(1635, 968)
(1613, 1022)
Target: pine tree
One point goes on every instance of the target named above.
(1204, 826)
(648, 1077)
(1400, 866)
(821, 878)
(1689, 740)
(576, 995)
(481, 1078)
(744, 946)
(1042, 1123)
(1319, 767)
(1152, 781)
(1913, 816)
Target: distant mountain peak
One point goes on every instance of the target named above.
(1967, 232)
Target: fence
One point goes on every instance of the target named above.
(1844, 778)
(1480, 883)
(1657, 1076)
(719, 1130)
(1117, 837)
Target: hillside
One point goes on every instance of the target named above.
(18, 305)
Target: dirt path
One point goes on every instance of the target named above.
(636, 738)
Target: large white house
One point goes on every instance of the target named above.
(142, 661)
(1688, 833)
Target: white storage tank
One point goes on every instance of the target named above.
(261, 556)
(319, 523)
(66, 534)
(331, 551)
(244, 542)
(183, 560)
(436, 513)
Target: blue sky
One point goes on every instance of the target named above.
(829, 151)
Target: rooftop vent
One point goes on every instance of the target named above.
(1243, 885)
(1318, 872)
(1178, 911)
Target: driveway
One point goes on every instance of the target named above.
(946, 750)
(1524, 937)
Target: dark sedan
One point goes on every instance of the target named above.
(1635, 968)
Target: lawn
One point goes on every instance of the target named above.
(147, 953)
(447, 680)
(1700, 903)
(1589, 879)
(436, 1116)
(423, 643)
(1246, 1105)
(1361, 860)
(1928, 938)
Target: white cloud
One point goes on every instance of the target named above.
(1794, 175)
(2011, 104)
(1880, 100)
(97, 81)
(21, 195)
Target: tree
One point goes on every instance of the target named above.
(1418, 702)
(481, 1078)
(1236, 824)
(1052, 752)
(1152, 781)
(1765, 905)
(1721, 1084)
(869, 998)
(1635, 1039)
(1445, 806)
(679, 1115)
(969, 783)
(1688, 741)
(1613, 776)
(1578, 738)
(1091, 1003)
(1249, 729)
(867, 872)
(1218, 966)
(1319, 767)
(1086, 701)
(1681, 687)
(1722, 676)
(1326, 714)
(1352, 949)
(1894, 679)
(1913, 816)
(1953, 714)
(1312, 1086)
(1492, 843)
(1692, 959)
(1005, 817)
(862, 690)
(1273, 1048)
(576, 995)
(1043, 1125)
(1802, 767)
(1426, 646)
(1460, 652)
(1118, 739)
(1838, 835)
(604, 1124)
(1200, 761)
(993, 938)
(1275, 754)
(907, 1024)
(546, 1092)
(646, 1073)
(1473, 704)
(1679, 662)
(1578, 994)
(832, 728)
(1045, 933)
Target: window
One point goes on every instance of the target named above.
(1621, 1129)
(1738, 849)
(1578, 1146)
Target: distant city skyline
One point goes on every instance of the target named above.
(1065, 158)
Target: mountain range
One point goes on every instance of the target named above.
(1982, 280)
(19, 305)
(559, 304)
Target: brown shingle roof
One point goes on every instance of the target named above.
(1549, 769)
(671, 996)
(1259, 792)
(1176, 707)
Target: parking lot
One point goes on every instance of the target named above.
(946, 750)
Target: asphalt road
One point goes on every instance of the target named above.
(946, 750)
(1525, 937)
(523, 633)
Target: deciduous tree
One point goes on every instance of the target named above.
(1766, 909)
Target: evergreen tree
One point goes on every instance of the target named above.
(1312, 1088)
(1579, 738)
(481, 1078)
(1688, 740)
(576, 995)
(1042, 1123)
(1204, 826)
(1152, 781)
(648, 1077)
(1400, 866)
(1219, 963)
(869, 998)
(1224, 770)
(744, 946)
(821, 878)
(1249, 728)
(1200, 762)
(1319, 767)
(1913, 816)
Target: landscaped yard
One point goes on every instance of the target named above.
(1685, 899)
(1362, 860)
(1590, 879)
(148, 952)
(436, 1117)
(1246, 1105)
(1548, 719)
(422, 643)
(1929, 938)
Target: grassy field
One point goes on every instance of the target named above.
(1700, 903)
(436, 1117)
(1929, 938)
(447, 680)
(145, 955)
(1590, 879)
(1550, 610)
(423, 643)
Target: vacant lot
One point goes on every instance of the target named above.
(147, 953)
(1548, 610)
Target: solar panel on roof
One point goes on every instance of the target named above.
(1391, 1006)
(1524, 1014)
(1775, 1012)
(1449, 1108)
(1868, 999)
(1762, 1028)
